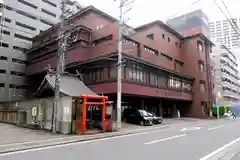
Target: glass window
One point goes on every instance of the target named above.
(135, 73)
(201, 66)
(202, 86)
(200, 46)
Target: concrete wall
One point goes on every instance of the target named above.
(43, 118)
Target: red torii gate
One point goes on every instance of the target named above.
(85, 101)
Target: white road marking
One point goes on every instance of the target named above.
(165, 139)
(190, 129)
(220, 149)
(217, 127)
(77, 143)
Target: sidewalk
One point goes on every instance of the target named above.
(12, 134)
(23, 139)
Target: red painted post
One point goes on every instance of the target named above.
(104, 114)
(84, 114)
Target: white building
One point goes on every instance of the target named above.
(20, 21)
(227, 87)
(223, 32)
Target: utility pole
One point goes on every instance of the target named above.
(60, 66)
(119, 75)
(120, 50)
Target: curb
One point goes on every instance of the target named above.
(32, 145)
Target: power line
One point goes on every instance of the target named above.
(230, 14)
(234, 28)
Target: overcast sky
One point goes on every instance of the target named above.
(144, 11)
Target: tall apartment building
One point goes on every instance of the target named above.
(191, 23)
(227, 87)
(20, 21)
(223, 33)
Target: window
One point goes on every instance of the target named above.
(102, 40)
(186, 86)
(169, 40)
(47, 22)
(8, 20)
(5, 32)
(28, 4)
(113, 71)
(3, 71)
(50, 3)
(18, 61)
(5, 45)
(150, 50)
(19, 49)
(22, 37)
(48, 12)
(178, 63)
(2, 85)
(26, 26)
(154, 79)
(201, 66)
(26, 14)
(15, 73)
(167, 57)
(150, 36)
(174, 82)
(202, 85)
(17, 86)
(3, 58)
(200, 46)
(163, 36)
(135, 73)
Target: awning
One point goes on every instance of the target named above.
(70, 85)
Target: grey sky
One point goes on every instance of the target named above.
(144, 11)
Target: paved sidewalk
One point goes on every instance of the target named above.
(12, 134)
(15, 138)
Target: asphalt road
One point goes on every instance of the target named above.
(185, 143)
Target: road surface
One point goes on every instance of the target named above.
(198, 142)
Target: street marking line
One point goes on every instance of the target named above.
(77, 143)
(217, 127)
(190, 129)
(165, 139)
(220, 149)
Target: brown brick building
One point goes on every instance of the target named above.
(163, 71)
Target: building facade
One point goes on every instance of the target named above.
(20, 21)
(227, 87)
(191, 23)
(162, 71)
(222, 32)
